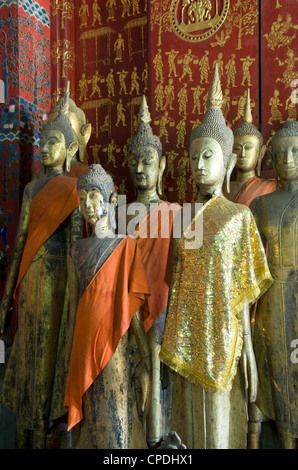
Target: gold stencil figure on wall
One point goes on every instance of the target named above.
(158, 66)
(110, 82)
(291, 108)
(186, 60)
(120, 113)
(94, 80)
(278, 36)
(171, 60)
(241, 106)
(172, 156)
(247, 62)
(122, 76)
(95, 149)
(181, 133)
(126, 4)
(197, 91)
(290, 72)
(134, 82)
(204, 67)
(182, 100)
(110, 148)
(231, 72)
(83, 86)
(169, 94)
(119, 48)
(274, 104)
(83, 14)
(111, 6)
(96, 13)
(159, 97)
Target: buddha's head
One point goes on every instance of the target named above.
(78, 122)
(58, 142)
(211, 144)
(284, 152)
(98, 199)
(248, 144)
(144, 151)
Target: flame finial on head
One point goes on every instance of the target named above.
(247, 112)
(144, 114)
(215, 97)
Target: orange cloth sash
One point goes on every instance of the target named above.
(48, 209)
(157, 257)
(104, 313)
(254, 187)
(77, 170)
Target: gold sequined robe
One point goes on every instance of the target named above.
(210, 286)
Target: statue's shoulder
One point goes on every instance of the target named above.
(262, 203)
(235, 207)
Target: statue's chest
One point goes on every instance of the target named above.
(282, 233)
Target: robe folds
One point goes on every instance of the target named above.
(155, 239)
(117, 289)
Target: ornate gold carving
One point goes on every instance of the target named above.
(198, 20)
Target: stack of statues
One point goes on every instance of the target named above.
(133, 334)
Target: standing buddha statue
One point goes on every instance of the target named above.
(154, 236)
(36, 373)
(249, 148)
(276, 323)
(207, 329)
(109, 382)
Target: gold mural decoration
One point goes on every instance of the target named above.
(243, 17)
(66, 8)
(160, 18)
(278, 36)
(290, 73)
(274, 104)
(198, 20)
(63, 51)
(93, 37)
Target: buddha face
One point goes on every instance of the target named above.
(207, 162)
(247, 149)
(92, 204)
(82, 130)
(144, 167)
(285, 158)
(53, 150)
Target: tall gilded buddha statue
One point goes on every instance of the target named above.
(276, 323)
(249, 148)
(154, 236)
(109, 384)
(35, 376)
(207, 333)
